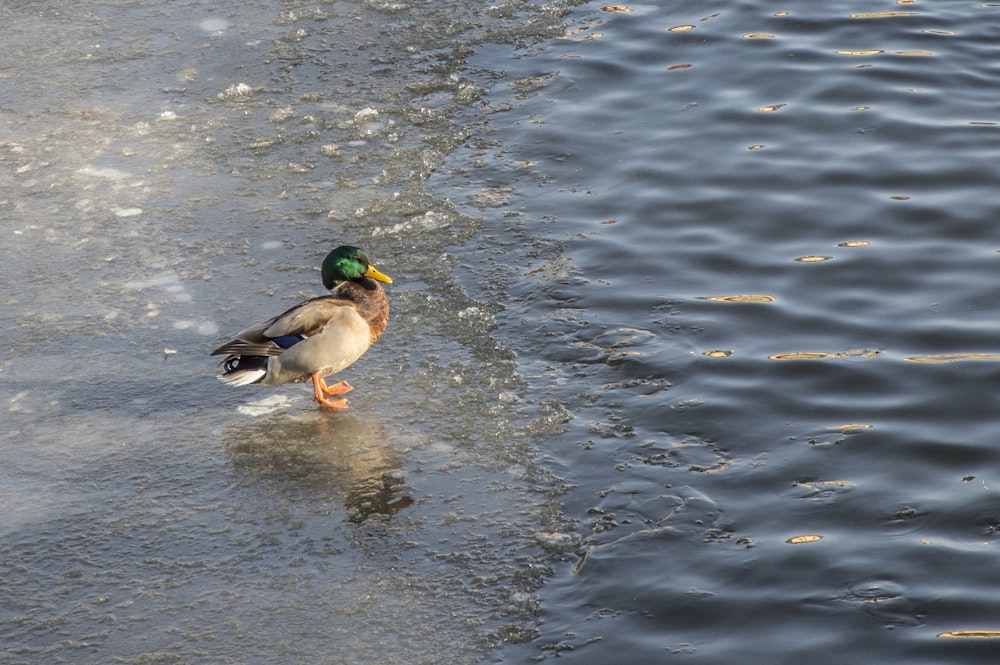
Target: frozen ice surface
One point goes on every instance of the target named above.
(265, 406)
(214, 26)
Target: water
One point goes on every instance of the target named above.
(690, 351)
(765, 304)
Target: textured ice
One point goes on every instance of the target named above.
(429, 221)
(105, 172)
(126, 212)
(201, 327)
(215, 26)
(147, 497)
(267, 405)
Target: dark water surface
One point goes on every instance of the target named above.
(690, 353)
(765, 297)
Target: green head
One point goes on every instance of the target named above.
(346, 264)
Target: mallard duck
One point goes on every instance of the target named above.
(318, 337)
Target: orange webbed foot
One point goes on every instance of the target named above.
(333, 403)
(321, 390)
(336, 389)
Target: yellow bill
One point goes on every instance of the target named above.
(375, 274)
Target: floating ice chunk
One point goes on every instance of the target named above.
(330, 150)
(281, 115)
(367, 114)
(429, 221)
(556, 541)
(432, 220)
(263, 407)
(379, 231)
(366, 121)
(473, 313)
(236, 91)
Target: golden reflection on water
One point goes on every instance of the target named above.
(854, 243)
(973, 634)
(823, 490)
(871, 51)
(821, 355)
(826, 485)
(573, 32)
(758, 35)
(812, 258)
(847, 428)
(771, 108)
(884, 14)
(717, 353)
(806, 538)
(802, 355)
(953, 357)
(618, 9)
(742, 297)
(680, 28)
(914, 53)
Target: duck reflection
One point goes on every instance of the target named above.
(330, 454)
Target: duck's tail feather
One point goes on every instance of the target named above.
(243, 370)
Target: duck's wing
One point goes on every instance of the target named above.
(307, 319)
(303, 320)
(251, 342)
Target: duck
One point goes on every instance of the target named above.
(318, 337)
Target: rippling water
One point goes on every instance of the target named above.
(765, 300)
(690, 351)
